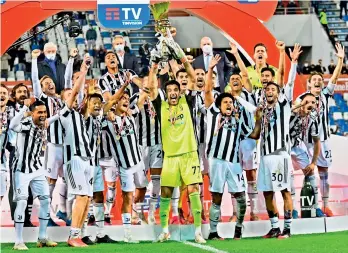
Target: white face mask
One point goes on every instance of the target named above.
(119, 48)
(50, 56)
(306, 64)
(207, 49)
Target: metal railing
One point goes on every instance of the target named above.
(294, 11)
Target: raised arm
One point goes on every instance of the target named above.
(79, 83)
(281, 69)
(15, 124)
(114, 98)
(340, 55)
(143, 95)
(152, 81)
(257, 130)
(35, 73)
(69, 68)
(246, 82)
(209, 85)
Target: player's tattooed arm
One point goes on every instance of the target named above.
(209, 86)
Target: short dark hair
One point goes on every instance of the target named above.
(171, 82)
(16, 87)
(268, 69)
(273, 83)
(260, 45)
(223, 95)
(36, 104)
(95, 95)
(110, 52)
(180, 71)
(307, 94)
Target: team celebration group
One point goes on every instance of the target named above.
(180, 127)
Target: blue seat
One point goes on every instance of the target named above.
(105, 34)
(338, 96)
(80, 41)
(92, 22)
(108, 46)
(334, 109)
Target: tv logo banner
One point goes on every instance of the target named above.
(123, 14)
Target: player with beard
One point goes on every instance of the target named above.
(128, 156)
(27, 167)
(304, 128)
(226, 127)
(94, 121)
(19, 93)
(322, 95)
(115, 78)
(254, 71)
(6, 114)
(181, 164)
(45, 90)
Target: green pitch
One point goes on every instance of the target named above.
(316, 243)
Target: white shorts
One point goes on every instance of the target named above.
(274, 172)
(299, 157)
(98, 181)
(110, 169)
(222, 172)
(133, 177)
(152, 156)
(325, 155)
(203, 159)
(36, 180)
(79, 177)
(3, 183)
(248, 154)
(54, 160)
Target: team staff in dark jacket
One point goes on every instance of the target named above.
(52, 67)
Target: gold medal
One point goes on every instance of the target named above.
(118, 137)
(98, 141)
(152, 121)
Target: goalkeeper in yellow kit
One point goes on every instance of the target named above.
(181, 163)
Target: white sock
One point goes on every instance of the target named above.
(175, 201)
(63, 197)
(98, 209)
(84, 228)
(44, 216)
(51, 189)
(156, 187)
(74, 232)
(19, 217)
(293, 191)
(274, 222)
(126, 220)
(313, 181)
(253, 195)
(234, 204)
(110, 199)
(214, 216)
(324, 187)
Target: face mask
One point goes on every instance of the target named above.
(119, 48)
(207, 49)
(306, 64)
(50, 56)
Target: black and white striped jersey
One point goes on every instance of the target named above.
(76, 141)
(148, 124)
(248, 117)
(275, 127)
(322, 111)
(303, 128)
(224, 135)
(112, 82)
(123, 133)
(55, 132)
(30, 139)
(12, 135)
(94, 127)
(5, 118)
